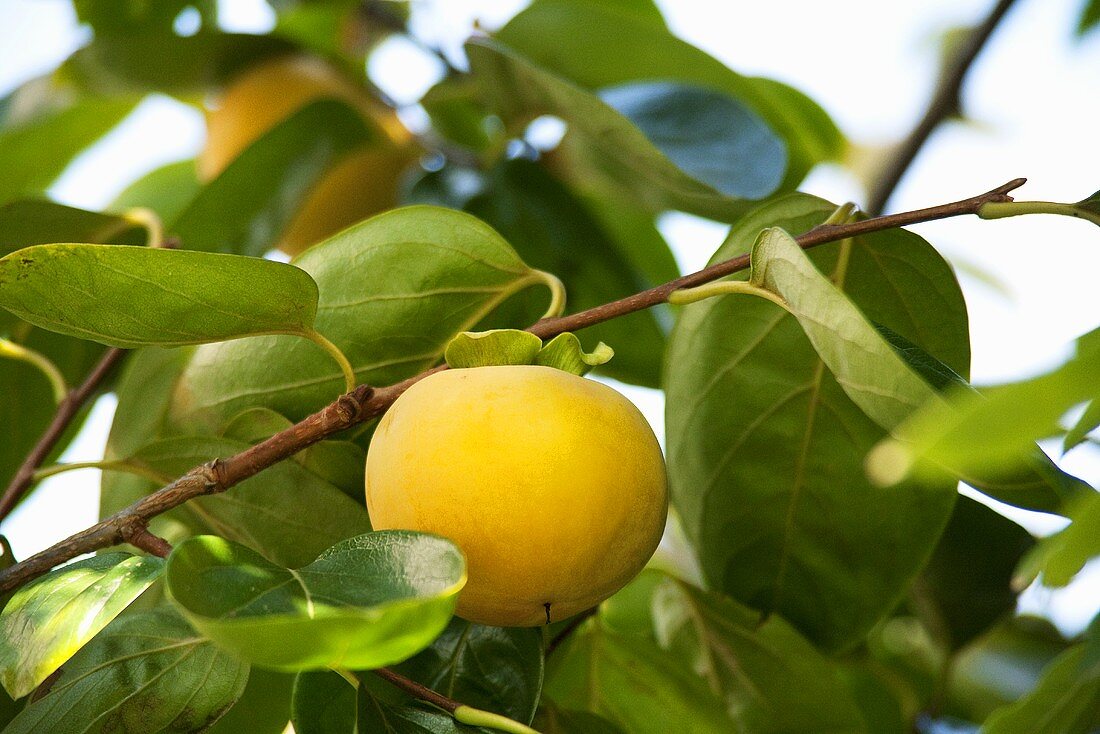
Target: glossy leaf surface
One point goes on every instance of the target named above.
(146, 673)
(136, 296)
(47, 621)
(368, 601)
(497, 669)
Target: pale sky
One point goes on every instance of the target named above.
(1032, 99)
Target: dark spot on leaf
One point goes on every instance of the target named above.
(45, 686)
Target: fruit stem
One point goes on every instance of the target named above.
(334, 351)
(476, 717)
(42, 362)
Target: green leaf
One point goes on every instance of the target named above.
(985, 433)
(144, 392)
(106, 18)
(766, 450)
(1057, 559)
(9, 709)
(871, 373)
(263, 708)
(1001, 666)
(880, 696)
(1090, 17)
(879, 380)
(340, 463)
(1031, 480)
(146, 673)
(39, 221)
(571, 38)
(1090, 204)
(286, 512)
(1066, 700)
(494, 347)
(394, 290)
(255, 425)
(632, 682)
(457, 113)
(768, 674)
(564, 352)
(50, 619)
(491, 668)
(708, 135)
(325, 703)
(166, 190)
(555, 720)
(248, 206)
(139, 61)
(135, 296)
(601, 251)
(640, 10)
(1086, 424)
(519, 91)
(634, 234)
(968, 580)
(30, 165)
(368, 601)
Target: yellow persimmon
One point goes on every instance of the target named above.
(553, 486)
(361, 184)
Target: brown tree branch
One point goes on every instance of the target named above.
(365, 402)
(66, 411)
(418, 691)
(138, 535)
(461, 712)
(944, 102)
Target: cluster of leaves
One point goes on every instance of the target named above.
(823, 601)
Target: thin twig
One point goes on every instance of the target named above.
(70, 405)
(418, 691)
(944, 102)
(816, 236)
(461, 712)
(568, 630)
(67, 409)
(139, 536)
(379, 12)
(365, 403)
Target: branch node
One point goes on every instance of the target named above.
(136, 533)
(213, 476)
(1001, 192)
(348, 405)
